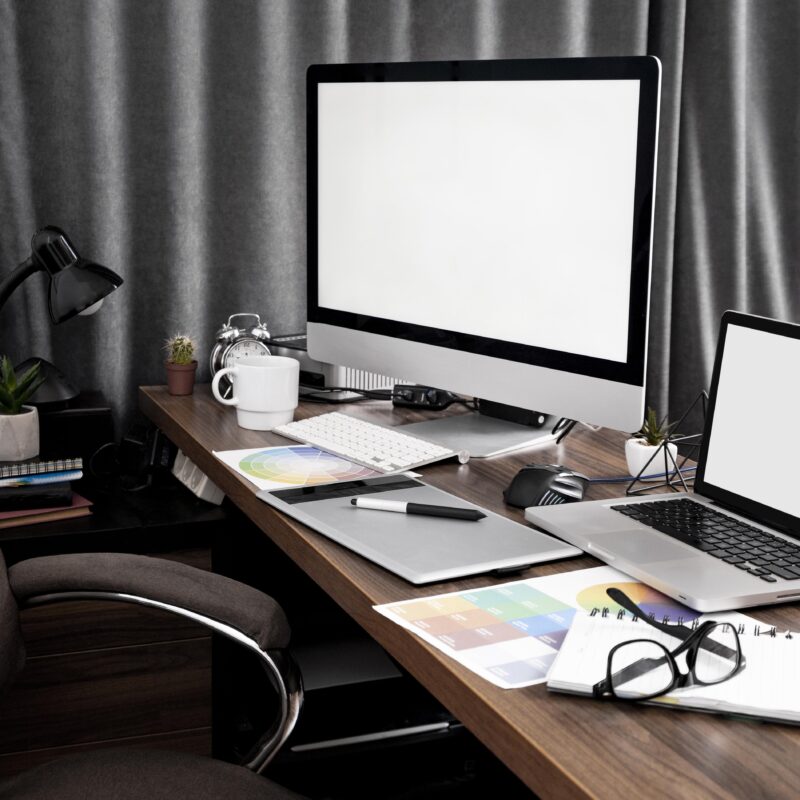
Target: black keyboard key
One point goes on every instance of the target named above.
(758, 571)
(782, 573)
(718, 553)
(768, 578)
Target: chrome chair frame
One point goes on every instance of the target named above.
(281, 669)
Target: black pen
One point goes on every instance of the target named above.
(401, 507)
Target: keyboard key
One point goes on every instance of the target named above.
(768, 578)
(782, 573)
(719, 553)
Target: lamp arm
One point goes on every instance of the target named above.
(9, 284)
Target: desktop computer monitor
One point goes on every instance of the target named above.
(485, 227)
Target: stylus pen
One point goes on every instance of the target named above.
(402, 507)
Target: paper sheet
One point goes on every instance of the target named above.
(295, 465)
(510, 633)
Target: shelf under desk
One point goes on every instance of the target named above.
(558, 745)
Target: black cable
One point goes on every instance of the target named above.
(376, 394)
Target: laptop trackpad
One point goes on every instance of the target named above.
(640, 545)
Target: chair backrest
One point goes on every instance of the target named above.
(12, 648)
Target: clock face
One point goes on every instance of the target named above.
(242, 348)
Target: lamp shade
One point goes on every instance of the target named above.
(75, 282)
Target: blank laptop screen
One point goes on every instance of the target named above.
(754, 445)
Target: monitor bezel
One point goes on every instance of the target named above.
(645, 69)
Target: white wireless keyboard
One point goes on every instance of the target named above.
(382, 449)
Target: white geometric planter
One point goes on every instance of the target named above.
(638, 453)
(19, 435)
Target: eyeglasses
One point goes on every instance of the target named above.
(641, 669)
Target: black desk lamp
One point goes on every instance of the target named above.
(77, 286)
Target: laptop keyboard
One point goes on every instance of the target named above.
(731, 540)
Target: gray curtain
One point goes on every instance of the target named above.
(167, 137)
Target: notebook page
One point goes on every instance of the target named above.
(767, 686)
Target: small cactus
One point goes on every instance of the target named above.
(15, 391)
(180, 350)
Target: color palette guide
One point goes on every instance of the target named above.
(510, 633)
(296, 465)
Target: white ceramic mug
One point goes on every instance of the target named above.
(265, 390)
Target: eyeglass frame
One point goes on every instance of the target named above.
(692, 640)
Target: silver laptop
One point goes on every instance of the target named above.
(735, 541)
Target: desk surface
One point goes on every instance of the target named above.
(559, 745)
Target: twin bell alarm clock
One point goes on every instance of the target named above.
(246, 337)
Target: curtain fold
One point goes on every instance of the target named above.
(167, 137)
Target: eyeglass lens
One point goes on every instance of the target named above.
(640, 669)
(716, 663)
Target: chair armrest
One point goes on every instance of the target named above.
(219, 598)
(233, 609)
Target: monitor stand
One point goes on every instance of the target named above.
(482, 436)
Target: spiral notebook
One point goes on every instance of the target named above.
(767, 687)
(13, 469)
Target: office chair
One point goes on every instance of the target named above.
(227, 607)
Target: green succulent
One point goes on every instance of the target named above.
(654, 432)
(15, 391)
(180, 350)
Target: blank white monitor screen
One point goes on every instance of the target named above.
(454, 204)
(486, 227)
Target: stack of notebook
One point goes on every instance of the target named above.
(40, 491)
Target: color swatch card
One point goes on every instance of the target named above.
(296, 465)
(510, 633)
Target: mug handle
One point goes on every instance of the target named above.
(234, 401)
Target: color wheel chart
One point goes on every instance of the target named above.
(296, 465)
(510, 633)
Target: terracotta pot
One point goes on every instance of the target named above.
(19, 435)
(180, 378)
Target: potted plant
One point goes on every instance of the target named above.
(641, 449)
(19, 424)
(181, 365)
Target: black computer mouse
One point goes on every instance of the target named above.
(545, 485)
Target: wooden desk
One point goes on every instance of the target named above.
(560, 746)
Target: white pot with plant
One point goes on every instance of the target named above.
(181, 365)
(19, 424)
(644, 450)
